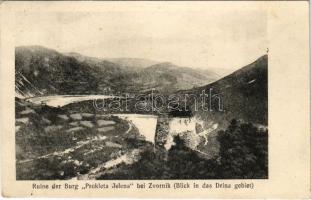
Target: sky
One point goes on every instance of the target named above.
(202, 36)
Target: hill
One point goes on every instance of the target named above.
(51, 72)
(243, 96)
(181, 77)
(132, 62)
(43, 71)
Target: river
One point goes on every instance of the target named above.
(146, 124)
(62, 100)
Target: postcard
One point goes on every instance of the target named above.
(155, 99)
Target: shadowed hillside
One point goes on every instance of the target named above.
(244, 94)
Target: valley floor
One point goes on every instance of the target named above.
(65, 146)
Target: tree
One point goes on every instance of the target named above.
(243, 151)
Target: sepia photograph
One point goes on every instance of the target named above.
(127, 95)
(155, 99)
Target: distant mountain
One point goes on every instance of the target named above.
(141, 75)
(132, 62)
(42, 71)
(219, 72)
(173, 77)
(82, 58)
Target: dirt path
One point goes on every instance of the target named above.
(66, 151)
(128, 159)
